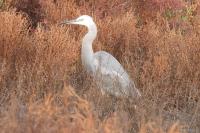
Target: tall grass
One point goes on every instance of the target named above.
(44, 89)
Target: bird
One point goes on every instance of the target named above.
(109, 74)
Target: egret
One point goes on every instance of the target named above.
(106, 70)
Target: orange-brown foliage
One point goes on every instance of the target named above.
(64, 112)
(40, 61)
(55, 11)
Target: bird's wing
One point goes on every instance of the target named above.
(112, 71)
(110, 64)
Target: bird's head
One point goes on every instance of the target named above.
(82, 20)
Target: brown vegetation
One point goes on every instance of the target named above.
(44, 89)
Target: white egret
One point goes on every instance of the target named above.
(111, 76)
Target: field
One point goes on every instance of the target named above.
(44, 89)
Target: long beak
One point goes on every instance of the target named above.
(67, 22)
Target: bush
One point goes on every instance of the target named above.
(157, 42)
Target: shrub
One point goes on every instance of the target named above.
(38, 59)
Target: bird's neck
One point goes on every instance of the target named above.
(87, 54)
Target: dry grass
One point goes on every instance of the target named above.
(44, 89)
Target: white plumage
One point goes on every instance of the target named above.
(106, 70)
